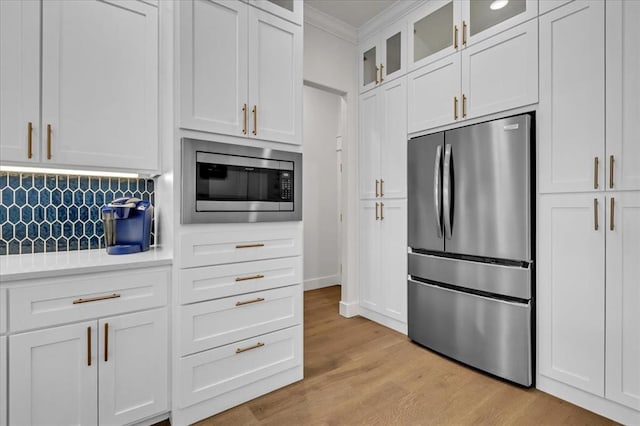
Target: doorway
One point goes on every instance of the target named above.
(323, 126)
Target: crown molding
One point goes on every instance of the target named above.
(329, 24)
(395, 12)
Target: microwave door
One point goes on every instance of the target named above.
(424, 182)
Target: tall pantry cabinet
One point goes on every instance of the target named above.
(589, 205)
(383, 205)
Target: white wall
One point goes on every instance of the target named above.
(320, 179)
(330, 60)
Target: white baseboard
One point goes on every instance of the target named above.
(391, 323)
(349, 309)
(320, 282)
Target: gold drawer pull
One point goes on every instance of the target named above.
(595, 214)
(256, 346)
(246, 302)
(241, 246)
(29, 140)
(106, 342)
(455, 37)
(89, 346)
(244, 119)
(611, 160)
(49, 141)
(252, 277)
(613, 205)
(596, 162)
(95, 299)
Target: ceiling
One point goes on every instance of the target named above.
(353, 12)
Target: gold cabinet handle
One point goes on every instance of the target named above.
(464, 106)
(29, 140)
(252, 277)
(244, 119)
(255, 119)
(247, 302)
(455, 107)
(595, 214)
(464, 33)
(49, 131)
(256, 346)
(95, 299)
(377, 71)
(244, 246)
(106, 341)
(377, 183)
(382, 187)
(381, 76)
(455, 37)
(596, 164)
(377, 206)
(611, 161)
(381, 211)
(89, 346)
(613, 203)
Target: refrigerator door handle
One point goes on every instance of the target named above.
(446, 191)
(436, 188)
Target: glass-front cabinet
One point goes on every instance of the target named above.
(383, 57)
(442, 27)
(291, 10)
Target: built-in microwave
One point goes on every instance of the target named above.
(233, 183)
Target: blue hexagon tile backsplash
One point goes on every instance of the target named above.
(46, 213)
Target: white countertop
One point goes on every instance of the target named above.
(48, 265)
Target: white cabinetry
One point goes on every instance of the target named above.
(383, 141)
(99, 87)
(241, 71)
(291, 10)
(3, 380)
(571, 115)
(384, 57)
(109, 369)
(238, 316)
(383, 262)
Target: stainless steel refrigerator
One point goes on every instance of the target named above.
(470, 245)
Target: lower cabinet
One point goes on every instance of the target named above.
(383, 262)
(58, 373)
(589, 298)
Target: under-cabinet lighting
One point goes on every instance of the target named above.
(42, 170)
(498, 4)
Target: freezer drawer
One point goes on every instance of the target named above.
(489, 334)
(510, 281)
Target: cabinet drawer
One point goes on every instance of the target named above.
(214, 282)
(219, 322)
(83, 297)
(239, 245)
(215, 372)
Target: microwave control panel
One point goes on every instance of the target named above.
(286, 186)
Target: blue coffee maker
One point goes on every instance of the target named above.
(127, 225)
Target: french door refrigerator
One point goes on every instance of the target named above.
(470, 249)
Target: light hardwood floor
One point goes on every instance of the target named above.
(360, 373)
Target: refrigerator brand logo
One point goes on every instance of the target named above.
(511, 126)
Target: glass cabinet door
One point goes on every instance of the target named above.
(434, 32)
(291, 10)
(369, 67)
(393, 45)
(485, 18)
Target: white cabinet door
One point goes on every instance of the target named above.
(623, 91)
(275, 78)
(134, 370)
(434, 95)
(481, 21)
(369, 145)
(571, 116)
(291, 10)
(623, 298)
(393, 256)
(100, 84)
(393, 144)
(3, 380)
(369, 68)
(501, 72)
(571, 291)
(213, 60)
(19, 80)
(54, 376)
(393, 51)
(371, 293)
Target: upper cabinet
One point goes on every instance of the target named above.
(442, 27)
(241, 71)
(74, 91)
(291, 10)
(383, 58)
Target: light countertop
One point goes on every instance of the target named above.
(49, 265)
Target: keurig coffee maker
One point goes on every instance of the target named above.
(127, 225)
